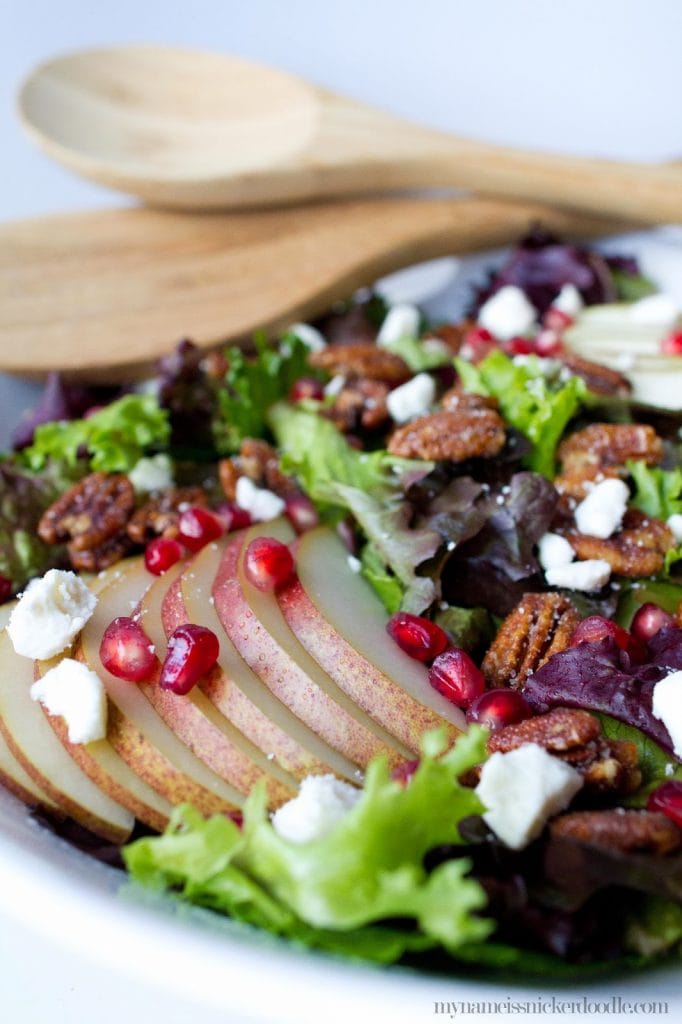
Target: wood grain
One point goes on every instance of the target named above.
(102, 295)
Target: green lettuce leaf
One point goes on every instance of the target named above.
(631, 287)
(418, 355)
(23, 499)
(473, 629)
(115, 438)
(656, 765)
(655, 927)
(658, 493)
(336, 892)
(254, 383)
(528, 401)
(385, 583)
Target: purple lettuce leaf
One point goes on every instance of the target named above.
(600, 677)
(59, 401)
(189, 394)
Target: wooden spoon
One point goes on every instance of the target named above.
(101, 295)
(187, 129)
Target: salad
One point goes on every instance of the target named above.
(408, 597)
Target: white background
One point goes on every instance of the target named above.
(587, 76)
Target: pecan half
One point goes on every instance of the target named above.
(467, 433)
(541, 625)
(361, 359)
(602, 450)
(260, 462)
(90, 512)
(103, 555)
(629, 831)
(638, 549)
(601, 380)
(159, 517)
(576, 737)
(361, 403)
(452, 334)
(455, 400)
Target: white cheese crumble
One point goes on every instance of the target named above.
(522, 790)
(592, 574)
(152, 474)
(601, 513)
(411, 399)
(335, 386)
(51, 612)
(322, 802)
(261, 504)
(354, 564)
(568, 301)
(656, 311)
(666, 705)
(401, 321)
(77, 694)
(309, 335)
(507, 313)
(674, 523)
(554, 551)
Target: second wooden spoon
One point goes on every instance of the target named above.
(198, 130)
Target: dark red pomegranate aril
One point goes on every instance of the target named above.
(268, 563)
(455, 676)
(649, 619)
(233, 517)
(477, 344)
(418, 637)
(306, 388)
(667, 799)
(672, 344)
(596, 627)
(236, 817)
(192, 652)
(127, 652)
(301, 513)
(404, 772)
(5, 589)
(197, 527)
(520, 347)
(162, 553)
(556, 320)
(548, 343)
(499, 708)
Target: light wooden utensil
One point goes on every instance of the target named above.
(186, 129)
(101, 295)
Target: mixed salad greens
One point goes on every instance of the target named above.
(412, 872)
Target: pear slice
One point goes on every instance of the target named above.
(194, 719)
(255, 625)
(342, 623)
(240, 694)
(19, 782)
(36, 747)
(135, 730)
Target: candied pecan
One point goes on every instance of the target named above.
(159, 516)
(629, 831)
(453, 436)
(102, 556)
(602, 450)
(638, 549)
(361, 359)
(361, 403)
(455, 400)
(541, 625)
(601, 380)
(452, 334)
(90, 512)
(228, 474)
(575, 736)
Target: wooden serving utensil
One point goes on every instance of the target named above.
(100, 296)
(186, 129)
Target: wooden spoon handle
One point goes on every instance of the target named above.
(100, 296)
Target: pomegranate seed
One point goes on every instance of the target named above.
(236, 817)
(649, 620)
(197, 527)
(456, 677)
(418, 637)
(268, 563)
(596, 627)
(306, 388)
(478, 343)
(499, 708)
(667, 799)
(672, 344)
(127, 652)
(233, 517)
(5, 589)
(556, 320)
(404, 772)
(548, 343)
(161, 553)
(519, 347)
(301, 513)
(192, 652)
